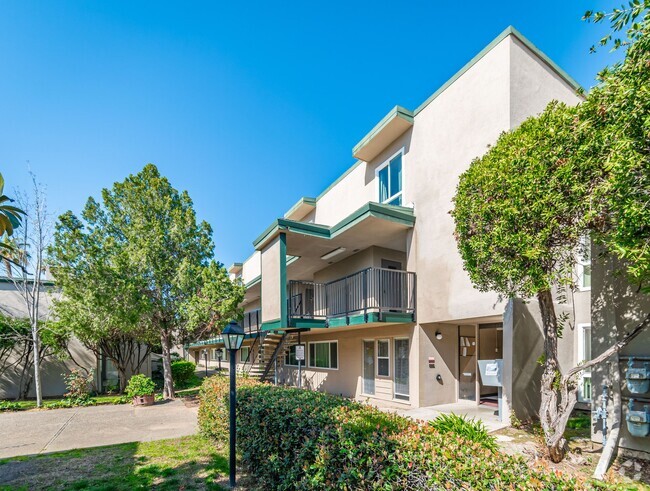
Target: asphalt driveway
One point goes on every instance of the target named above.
(41, 431)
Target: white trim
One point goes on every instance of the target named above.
(395, 393)
(363, 353)
(377, 357)
(581, 262)
(338, 362)
(582, 328)
(382, 166)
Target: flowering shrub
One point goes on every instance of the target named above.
(298, 439)
(79, 387)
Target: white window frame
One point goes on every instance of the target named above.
(386, 163)
(582, 328)
(581, 263)
(377, 358)
(288, 356)
(338, 361)
(243, 358)
(403, 397)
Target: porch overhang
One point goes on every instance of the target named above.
(369, 224)
(394, 124)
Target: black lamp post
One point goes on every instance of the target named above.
(233, 337)
(219, 356)
(205, 355)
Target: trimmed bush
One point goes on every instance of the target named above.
(470, 429)
(298, 439)
(182, 372)
(214, 408)
(140, 385)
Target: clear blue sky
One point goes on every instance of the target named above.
(248, 106)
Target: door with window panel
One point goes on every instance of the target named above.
(369, 367)
(401, 383)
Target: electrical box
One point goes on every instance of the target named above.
(638, 421)
(638, 378)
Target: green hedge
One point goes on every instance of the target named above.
(297, 439)
(182, 372)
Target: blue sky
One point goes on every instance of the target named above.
(248, 106)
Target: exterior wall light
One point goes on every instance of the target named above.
(438, 335)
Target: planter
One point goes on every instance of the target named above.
(143, 400)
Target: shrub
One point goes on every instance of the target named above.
(79, 387)
(470, 429)
(140, 385)
(182, 372)
(298, 439)
(214, 408)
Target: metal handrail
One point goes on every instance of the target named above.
(371, 289)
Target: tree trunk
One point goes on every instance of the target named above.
(168, 387)
(555, 407)
(122, 379)
(36, 346)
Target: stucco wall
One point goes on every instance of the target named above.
(271, 281)
(251, 268)
(347, 379)
(617, 308)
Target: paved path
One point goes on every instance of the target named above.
(34, 432)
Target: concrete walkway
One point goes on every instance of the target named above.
(466, 408)
(41, 431)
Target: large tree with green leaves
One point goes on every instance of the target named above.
(139, 262)
(521, 209)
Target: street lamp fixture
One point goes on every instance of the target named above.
(233, 337)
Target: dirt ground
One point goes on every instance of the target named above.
(581, 460)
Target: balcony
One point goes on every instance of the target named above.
(252, 321)
(367, 296)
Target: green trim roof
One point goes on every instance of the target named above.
(302, 201)
(396, 112)
(393, 213)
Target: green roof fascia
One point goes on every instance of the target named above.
(399, 214)
(235, 265)
(272, 325)
(302, 201)
(510, 30)
(253, 282)
(396, 112)
(219, 340)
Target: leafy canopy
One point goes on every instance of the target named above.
(521, 209)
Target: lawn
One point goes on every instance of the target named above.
(190, 463)
(57, 403)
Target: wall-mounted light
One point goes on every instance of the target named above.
(333, 253)
(438, 335)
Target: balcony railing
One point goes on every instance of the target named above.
(370, 290)
(252, 321)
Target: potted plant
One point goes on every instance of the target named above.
(141, 389)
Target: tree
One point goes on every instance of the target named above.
(151, 267)
(520, 211)
(35, 233)
(10, 218)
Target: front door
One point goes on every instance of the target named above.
(401, 389)
(467, 363)
(369, 367)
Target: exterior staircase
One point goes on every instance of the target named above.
(274, 347)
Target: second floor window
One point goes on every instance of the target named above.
(584, 264)
(389, 176)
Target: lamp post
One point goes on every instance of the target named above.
(219, 356)
(205, 355)
(233, 337)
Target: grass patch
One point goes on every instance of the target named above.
(191, 463)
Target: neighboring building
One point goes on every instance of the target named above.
(53, 370)
(367, 275)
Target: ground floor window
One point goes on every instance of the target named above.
(324, 354)
(401, 348)
(224, 354)
(244, 353)
(383, 358)
(290, 358)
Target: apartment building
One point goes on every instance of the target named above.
(367, 276)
